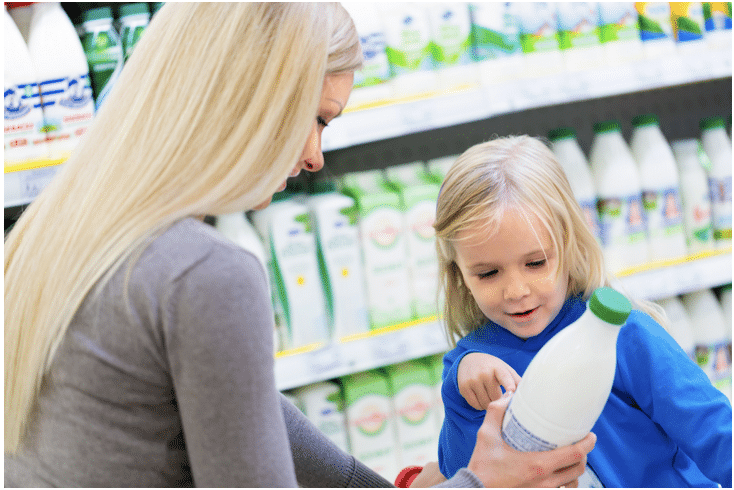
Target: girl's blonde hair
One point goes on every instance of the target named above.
(209, 116)
(517, 172)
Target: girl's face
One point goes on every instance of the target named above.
(511, 273)
(334, 97)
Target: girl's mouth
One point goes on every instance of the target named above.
(523, 315)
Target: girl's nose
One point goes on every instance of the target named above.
(516, 287)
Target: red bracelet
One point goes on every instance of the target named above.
(407, 475)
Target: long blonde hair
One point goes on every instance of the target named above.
(209, 116)
(519, 172)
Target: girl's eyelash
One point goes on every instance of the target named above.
(320, 120)
(485, 275)
(537, 263)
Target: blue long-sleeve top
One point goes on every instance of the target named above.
(664, 424)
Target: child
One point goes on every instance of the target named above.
(517, 264)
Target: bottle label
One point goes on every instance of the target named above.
(617, 21)
(538, 29)
(717, 16)
(494, 31)
(68, 109)
(23, 121)
(720, 193)
(654, 19)
(590, 213)
(577, 25)
(103, 48)
(451, 43)
(687, 19)
(131, 33)
(409, 52)
(663, 212)
(621, 220)
(376, 68)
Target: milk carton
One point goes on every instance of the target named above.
(408, 37)
(287, 231)
(418, 202)
(340, 261)
(435, 367)
(23, 136)
(134, 18)
(372, 82)
(717, 146)
(412, 394)
(688, 27)
(383, 240)
(620, 32)
(103, 47)
(717, 22)
(451, 48)
(63, 74)
(695, 196)
(679, 325)
(578, 35)
(711, 337)
(323, 404)
(617, 181)
(539, 37)
(496, 42)
(660, 189)
(569, 154)
(656, 30)
(371, 422)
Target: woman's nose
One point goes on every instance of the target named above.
(312, 158)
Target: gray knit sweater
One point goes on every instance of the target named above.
(169, 381)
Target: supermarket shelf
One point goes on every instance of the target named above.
(390, 118)
(390, 345)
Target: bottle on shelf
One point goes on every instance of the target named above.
(712, 341)
(695, 198)
(717, 145)
(656, 30)
(538, 24)
(134, 18)
(566, 386)
(103, 47)
(566, 148)
(23, 136)
(61, 66)
(619, 31)
(450, 45)
(688, 29)
(578, 36)
(323, 405)
(717, 24)
(660, 189)
(679, 325)
(621, 216)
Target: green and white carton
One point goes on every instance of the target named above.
(324, 406)
(370, 420)
(412, 394)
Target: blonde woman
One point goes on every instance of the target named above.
(138, 343)
(518, 263)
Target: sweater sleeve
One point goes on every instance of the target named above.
(218, 333)
(458, 434)
(678, 396)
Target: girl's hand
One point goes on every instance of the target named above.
(480, 377)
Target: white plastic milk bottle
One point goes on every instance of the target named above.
(679, 324)
(711, 338)
(61, 66)
(571, 157)
(660, 189)
(617, 180)
(103, 47)
(694, 195)
(407, 35)
(340, 261)
(566, 386)
(717, 146)
(23, 138)
(371, 83)
(323, 404)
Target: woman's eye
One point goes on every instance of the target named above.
(536, 263)
(321, 121)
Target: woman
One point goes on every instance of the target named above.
(138, 343)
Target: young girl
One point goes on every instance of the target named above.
(517, 264)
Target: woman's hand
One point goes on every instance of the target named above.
(498, 465)
(480, 376)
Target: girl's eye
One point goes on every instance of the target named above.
(536, 263)
(321, 121)
(485, 275)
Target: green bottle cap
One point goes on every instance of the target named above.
(97, 14)
(607, 126)
(561, 133)
(711, 123)
(645, 120)
(133, 9)
(610, 305)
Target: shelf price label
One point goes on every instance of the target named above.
(324, 360)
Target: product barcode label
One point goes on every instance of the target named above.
(520, 438)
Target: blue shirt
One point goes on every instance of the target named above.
(664, 424)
